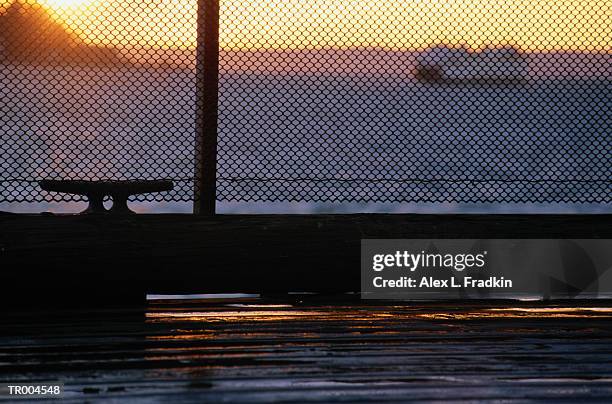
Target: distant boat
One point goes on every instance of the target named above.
(458, 65)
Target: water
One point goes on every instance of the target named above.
(354, 132)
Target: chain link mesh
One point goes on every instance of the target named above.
(96, 90)
(465, 101)
(431, 101)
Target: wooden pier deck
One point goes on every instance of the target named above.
(49, 257)
(329, 350)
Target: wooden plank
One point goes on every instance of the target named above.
(87, 256)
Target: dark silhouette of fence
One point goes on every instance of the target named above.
(269, 104)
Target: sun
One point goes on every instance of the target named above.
(64, 4)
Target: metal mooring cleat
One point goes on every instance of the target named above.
(95, 191)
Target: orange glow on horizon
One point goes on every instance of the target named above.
(64, 4)
(294, 24)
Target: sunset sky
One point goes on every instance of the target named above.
(298, 24)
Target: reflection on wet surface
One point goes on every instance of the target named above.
(255, 351)
(255, 312)
(254, 315)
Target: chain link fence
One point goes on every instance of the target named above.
(96, 90)
(466, 101)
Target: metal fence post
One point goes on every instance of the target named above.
(207, 103)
